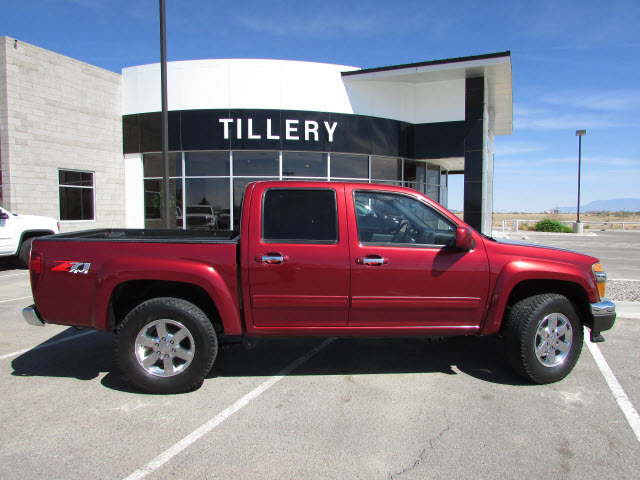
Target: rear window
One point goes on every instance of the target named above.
(299, 216)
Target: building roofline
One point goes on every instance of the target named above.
(429, 63)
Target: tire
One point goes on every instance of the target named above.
(175, 331)
(24, 251)
(543, 336)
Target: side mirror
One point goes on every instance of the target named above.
(464, 239)
(4, 216)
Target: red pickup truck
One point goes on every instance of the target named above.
(316, 259)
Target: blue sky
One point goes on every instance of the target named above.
(575, 66)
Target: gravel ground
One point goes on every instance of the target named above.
(623, 290)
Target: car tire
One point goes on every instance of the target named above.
(543, 337)
(166, 345)
(24, 251)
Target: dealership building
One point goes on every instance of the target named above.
(83, 144)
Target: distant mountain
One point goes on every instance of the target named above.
(614, 205)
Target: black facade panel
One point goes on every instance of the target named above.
(472, 198)
(407, 145)
(473, 218)
(385, 137)
(354, 135)
(175, 140)
(201, 130)
(296, 120)
(474, 98)
(439, 140)
(473, 166)
(150, 132)
(193, 130)
(473, 134)
(252, 128)
(131, 133)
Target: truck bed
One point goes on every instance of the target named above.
(150, 236)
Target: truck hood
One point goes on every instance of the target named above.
(508, 241)
(518, 249)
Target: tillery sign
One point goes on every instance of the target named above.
(294, 129)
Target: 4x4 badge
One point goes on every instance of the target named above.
(72, 267)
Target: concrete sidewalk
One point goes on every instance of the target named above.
(628, 309)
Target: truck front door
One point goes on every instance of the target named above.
(405, 269)
(298, 256)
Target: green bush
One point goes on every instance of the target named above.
(548, 225)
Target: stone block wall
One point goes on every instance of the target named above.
(59, 113)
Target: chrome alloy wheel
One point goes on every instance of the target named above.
(164, 348)
(553, 340)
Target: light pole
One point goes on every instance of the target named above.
(579, 133)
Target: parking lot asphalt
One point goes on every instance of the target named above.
(400, 408)
(618, 251)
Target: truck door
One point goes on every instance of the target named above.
(405, 270)
(298, 261)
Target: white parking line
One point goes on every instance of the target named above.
(14, 274)
(174, 450)
(15, 299)
(619, 394)
(55, 342)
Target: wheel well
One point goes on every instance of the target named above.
(573, 291)
(126, 296)
(34, 233)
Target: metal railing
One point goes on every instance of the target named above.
(515, 224)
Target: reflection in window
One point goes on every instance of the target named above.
(76, 195)
(415, 172)
(207, 203)
(206, 164)
(153, 165)
(256, 163)
(154, 204)
(386, 168)
(384, 218)
(239, 186)
(349, 166)
(304, 164)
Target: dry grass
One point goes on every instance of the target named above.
(605, 220)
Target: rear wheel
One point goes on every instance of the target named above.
(543, 337)
(166, 345)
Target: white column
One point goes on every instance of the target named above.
(133, 190)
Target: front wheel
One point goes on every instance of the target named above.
(166, 345)
(543, 337)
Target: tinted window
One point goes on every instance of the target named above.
(300, 216)
(75, 191)
(398, 219)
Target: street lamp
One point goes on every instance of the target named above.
(579, 134)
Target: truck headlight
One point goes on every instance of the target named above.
(601, 279)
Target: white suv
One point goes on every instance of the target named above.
(18, 231)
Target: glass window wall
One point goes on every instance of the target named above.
(206, 188)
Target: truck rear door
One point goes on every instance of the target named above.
(404, 269)
(298, 255)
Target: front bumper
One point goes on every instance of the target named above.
(604, 316)
(32, 317)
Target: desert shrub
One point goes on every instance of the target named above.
(548, 225)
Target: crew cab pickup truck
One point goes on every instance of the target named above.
(18, 231)
(316, 259)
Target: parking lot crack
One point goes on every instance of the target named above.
(431, 444)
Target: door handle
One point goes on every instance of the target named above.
(271, 258)
(372, 260)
